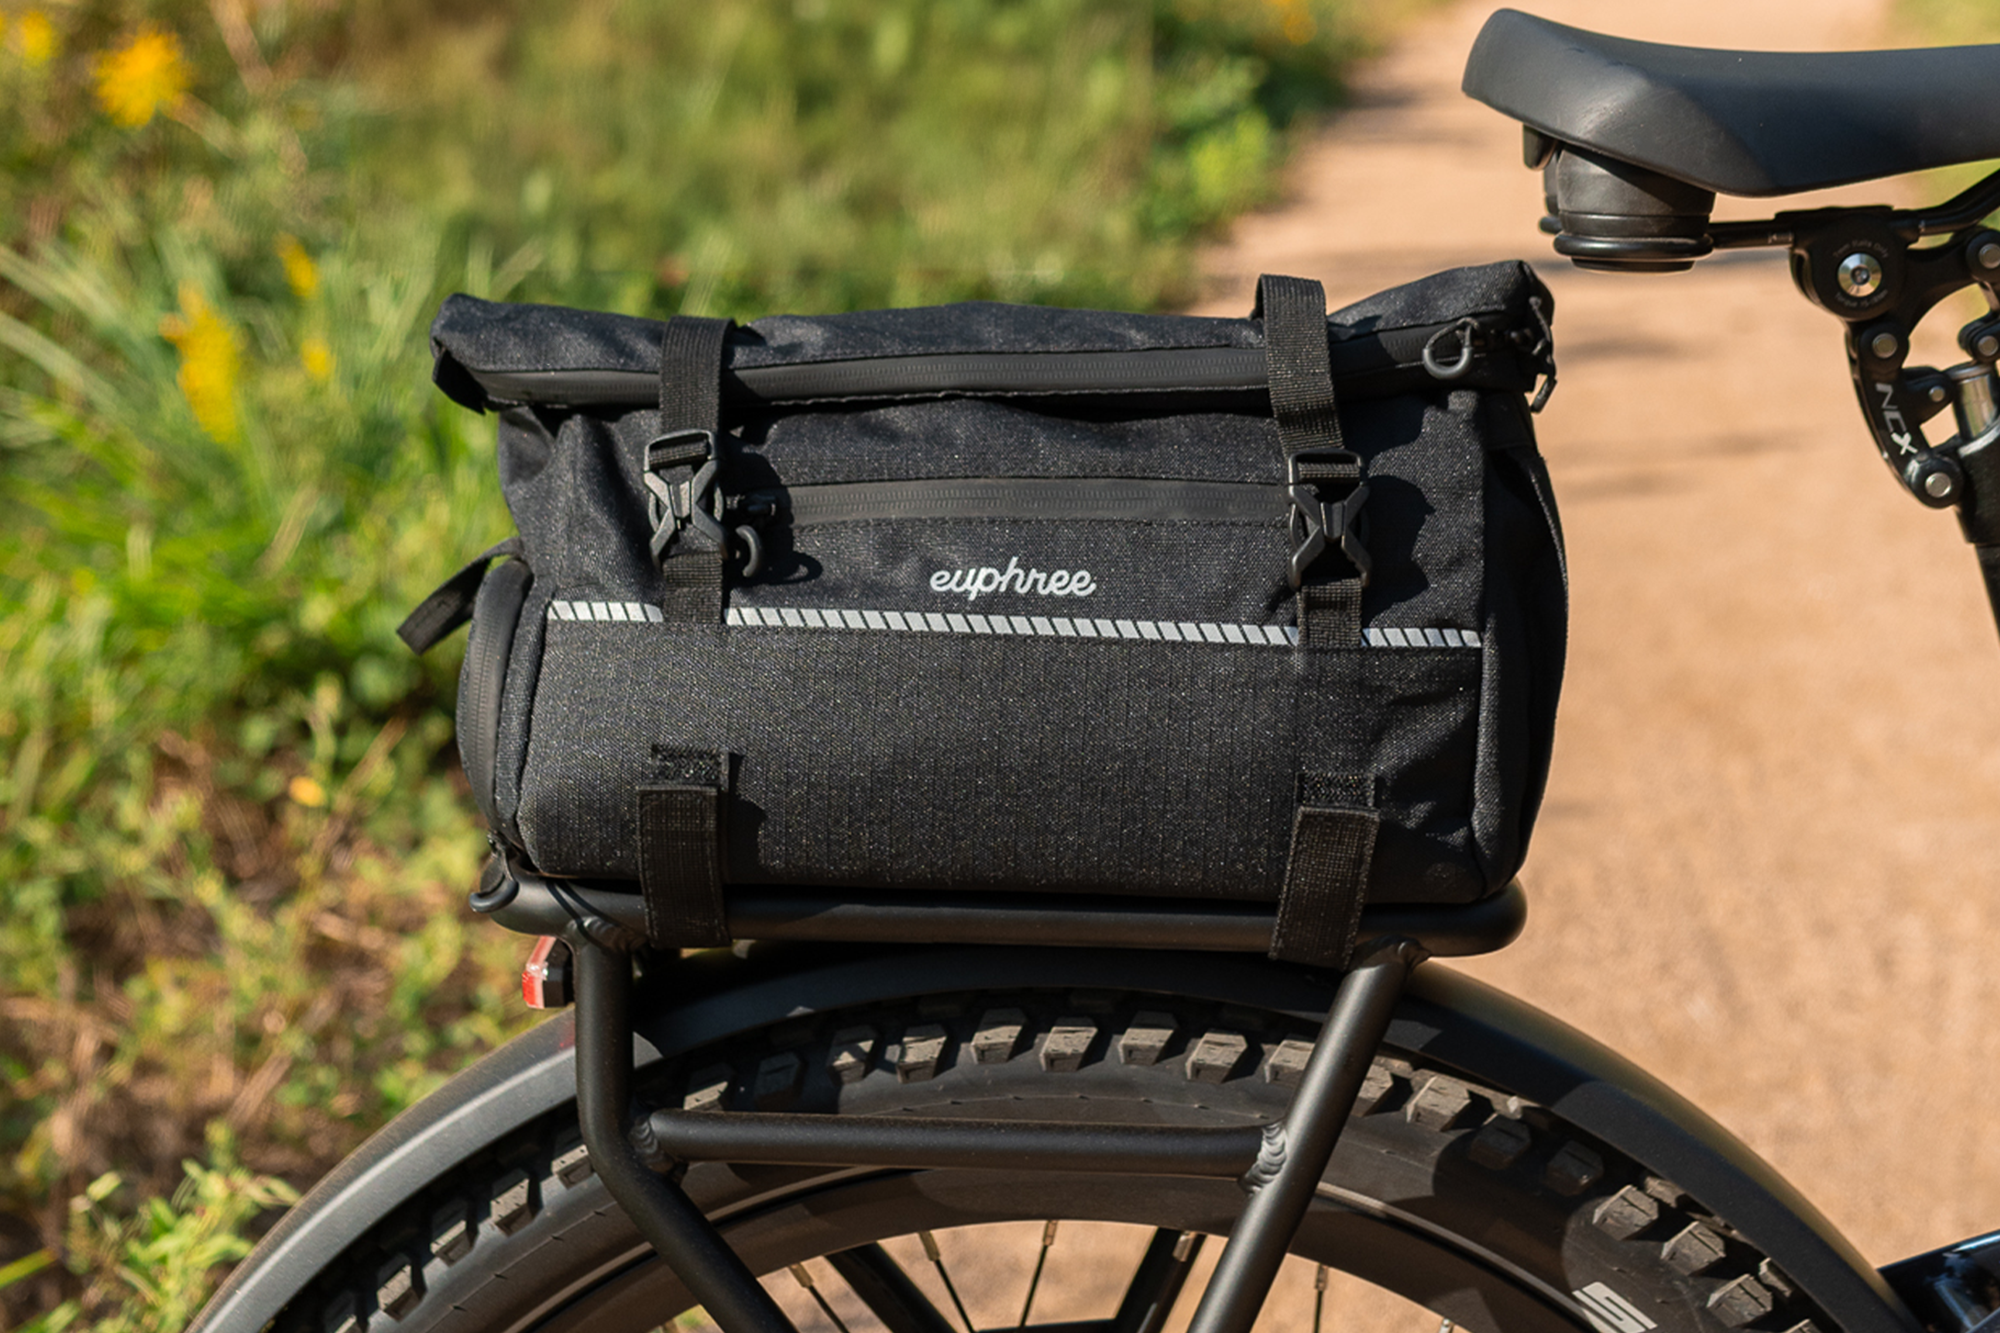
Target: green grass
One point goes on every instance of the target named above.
(827, 154)
(232, 831)
(1946, 22)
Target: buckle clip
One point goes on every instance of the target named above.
(674, 507)
(1319, 525)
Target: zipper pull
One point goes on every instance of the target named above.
(1466, 331)
(750, 514)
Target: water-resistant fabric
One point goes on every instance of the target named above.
(1069, 704)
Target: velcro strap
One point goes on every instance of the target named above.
(680, 866)
(451, 604)
(1326, 880)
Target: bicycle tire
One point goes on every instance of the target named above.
(1486, 1209)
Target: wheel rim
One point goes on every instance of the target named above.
(989, 1225)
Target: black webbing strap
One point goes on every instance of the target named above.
(680, 870)
(681, 468)
(1298, 367)
(1326, 880)
(451, 604)
(1297, 362)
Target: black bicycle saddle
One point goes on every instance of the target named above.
(1741, 122)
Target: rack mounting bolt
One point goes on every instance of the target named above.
(1937, 485)
(1987, 255)
(1988, 346)
(1859, 274)
(1937, 394)
(1884, 344)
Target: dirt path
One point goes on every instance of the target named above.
(1766, 868)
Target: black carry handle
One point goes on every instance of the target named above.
(450, 605)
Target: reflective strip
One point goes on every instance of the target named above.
(1047, 627)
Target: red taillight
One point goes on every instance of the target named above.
(545, 979)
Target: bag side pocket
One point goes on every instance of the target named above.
(482, 681)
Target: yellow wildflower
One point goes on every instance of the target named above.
(317, 357)
(141, 78)
(306, 792)
(300, 271)
(209, 358)
(35, 38)
(1296, 20)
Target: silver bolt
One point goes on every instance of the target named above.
(1860, 274)
(1987, 347)
(1987, 255)
(1937, 485)
(1884, 345)
(1937, 394)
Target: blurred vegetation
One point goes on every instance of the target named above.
(232, 829)
(1946, 22)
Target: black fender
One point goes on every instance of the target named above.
(1487, 1035)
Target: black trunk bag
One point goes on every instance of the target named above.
(989, 597)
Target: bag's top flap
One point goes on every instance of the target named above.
(474, 343)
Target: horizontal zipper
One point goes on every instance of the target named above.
(1370, 365)
(1076, 498)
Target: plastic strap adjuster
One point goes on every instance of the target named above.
(673, 507)
(1319, 524)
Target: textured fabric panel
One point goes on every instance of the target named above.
(1423, 460)
(1164, 571)
(1350, 791)
(976, 326)
(497, 336)
(1411, 719)
(582, 514)
(1528, 611)
(948, 762)
(976, 438)
(489, 650)
(1475, 290)
(517, 709)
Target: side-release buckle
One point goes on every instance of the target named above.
(1318, 524)
(673, 507)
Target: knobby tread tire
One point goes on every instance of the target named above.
(1437, 1178)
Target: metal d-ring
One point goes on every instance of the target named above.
(1465, 329)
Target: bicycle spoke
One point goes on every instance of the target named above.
(936, 1257)
(1319, 1295)
(805, 1279)
(886, 1289)
(1048, 1239)
(1157, 1281)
